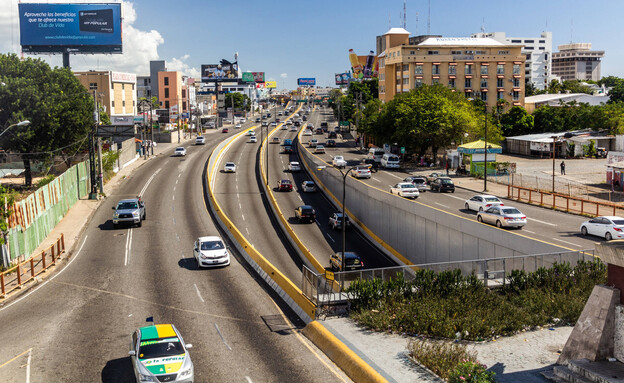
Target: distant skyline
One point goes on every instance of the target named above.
(291, 39)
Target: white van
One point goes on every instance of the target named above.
(375, 154)
(390, 161)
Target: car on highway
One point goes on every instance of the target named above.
(179, 151)
(284, 185)
(129, 211)
(230, 167)
(227, 121)
(339, 162)
(318, 131)
(225, 130)
(293, 166)
(289, 122)
(200, 140)
(293, 128)
(279, 113)
(242, 120)
(361, 171)
(335, 221)
(258, 119)
(308, 186)
(481, 202)
(264, 124)
(211, 251)
(352, 261)
(607, 227)
(330, 143)
(304, 118)
(432, 177)
(305, 213)
(312, 143)
(502, 216)
(253, 139)
(158, 354)
(419, 182)
(405, 189)
(372, 164)
(287, 149)
(320, 149)
(276, 140)
(307, 132)
(287, 142)
(251, 132)
(273, 124)
(332, 135)
(237, 126)
(442, 184)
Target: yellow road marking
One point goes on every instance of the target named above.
(15, 357)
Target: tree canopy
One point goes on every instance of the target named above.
(241, 101)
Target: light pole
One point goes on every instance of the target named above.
(485, 150)
(21, 123)
(553, 158)
(343, 225)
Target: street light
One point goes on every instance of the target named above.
(21, 123)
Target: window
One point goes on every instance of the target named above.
(542, 41)
(435, 69)
(484, 83)
(529, 41)
(480, 52)
(433, 53)
(418, 69)
(398, 81)
(412, 52)
(500, 82)
(166, 80)
(484, 69)
(516, 41)
(468, 69)
(405, 67)
(468, 94)
(183, 93)
(183, 105)
(469, 52)
(500, 95)
(417, 83)
(516, 69)
(528, 48)
(113, 103)
(542, 48)
(500, 69)
(456, 52)
(452, 69)
(516, 95)
(503, 52)
(166, 92)
(451, 83)
(516, 82)
(435, 81)
(528, 56)
(468, 83)
(398, 53)
(484, 96)
(123, 103)
(406, 81)
(145, 81)
(93, 86)
(166, 104)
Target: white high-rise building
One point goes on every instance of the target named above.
(538, 52)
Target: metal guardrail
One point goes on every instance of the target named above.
(15, 277)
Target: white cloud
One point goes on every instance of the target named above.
(179, 64)
(284, 75)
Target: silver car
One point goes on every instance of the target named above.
(129, 211)
(210, 252)
(502, 216)
(419, 182)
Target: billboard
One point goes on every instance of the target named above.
(253, 76)
(73, 28)
(363, 67)
(306, 81)
(225, 71)
(270, 84)
(343, 78)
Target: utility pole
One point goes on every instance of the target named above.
(93, 193)
(485, 147)
(178, 105)
(100, 175)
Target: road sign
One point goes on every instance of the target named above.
(329, 275)
(344, 123)
(402, 149)
(184, 115)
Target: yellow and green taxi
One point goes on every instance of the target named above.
(159, 354)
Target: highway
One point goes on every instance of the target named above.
(77, 326)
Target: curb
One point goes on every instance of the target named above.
(339, 353)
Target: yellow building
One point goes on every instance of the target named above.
(477, 67)
(114, 91)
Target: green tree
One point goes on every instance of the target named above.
(241, 101)
(53, 100)
(516, 122)
(610, 81)
(531, 90)
(616, 94)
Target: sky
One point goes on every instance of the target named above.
(292, 39)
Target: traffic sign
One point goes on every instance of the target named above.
(402, 149)
(344, 123)
(329, 275)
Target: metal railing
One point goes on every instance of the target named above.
(15, 277)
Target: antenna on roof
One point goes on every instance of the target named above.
(483, 25)
(429, 20)
(404, 13)
(416, 23)
(389, 21)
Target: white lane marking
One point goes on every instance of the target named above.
(198, 293)
(329, 236)
(248, 379)
(394, 175)
(148, 182)
(173, 196)
(243, 215)
(179, 175)
(128, 246)
(300, 199)
(178, 237)
(569, 243)
(528, 231)
(443, 205)
(177, 181)
(240, 206)
(28, 366)
(222, 338)
(174, 188)
(247, 230)
(375, 179)
(545, 223)
(174, 221)
(54, 276)
(452, 196)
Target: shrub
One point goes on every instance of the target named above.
(441, 357)
(108, 163)
(468, 371)
(45, 180)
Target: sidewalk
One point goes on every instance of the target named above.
(75, 220)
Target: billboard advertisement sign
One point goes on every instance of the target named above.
(270, 84)
(343, 78)
(363, 67)
(73, 28)
(225, 71)
(306, 81)
(253, 76)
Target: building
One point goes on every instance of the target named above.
(476, 67)
(115, 91)
(537, 52)
(577, 62)
(144, 87)
(155, 67)
(172, 91)
(533, 102)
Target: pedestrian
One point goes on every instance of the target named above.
(447, 167)
(562, 166)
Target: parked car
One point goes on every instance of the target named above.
(230, 167)
(361, 171)
(284, 185)
(481, 202)
(308, 186)
(129, 211)
(339, 162)
(273, 124)
(442, 184)
(372, 164)
(419, 182)
(242, 120)
(305, 213)
(320, 149)
(607, 227)
(179, 151)
(405, 189)
(330, 143)
(293, 166)
(210, 252)
(237, 126)
(502, 216)
(200, 140)
(335, 221)
(352, 261)
(258, 119)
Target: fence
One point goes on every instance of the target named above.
(15, 277)
(34, 217)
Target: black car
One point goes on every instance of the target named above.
(442, 184)
(352, 261)
(304, 118)
(332, 135)
(372, 164)
(330, 144)
(305, 213)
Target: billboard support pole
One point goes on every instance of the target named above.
(66, 60)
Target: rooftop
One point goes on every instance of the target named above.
(461, 41)
(397, 31)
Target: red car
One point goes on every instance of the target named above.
(224, 130)
(284, 185)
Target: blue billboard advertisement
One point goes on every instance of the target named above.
(306, 81)
(73, 28)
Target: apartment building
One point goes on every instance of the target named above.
(172, 90)
(537, 52)
(477, 67)
(115, 91)
(577, 62)
(144, 87)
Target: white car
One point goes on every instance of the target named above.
(210, 252)
(243, 120)
(361, 171)
(312, 143)
(482, 201)
(289, 122)
(293, 128)
(607, 227)
(253, 139)
(502, 216)
(251, 132)
(200, 140)
(307, 132)
(179, 151)
(294, 166)
(405, 189)
(319, 149)
(230, 167)
(339, 162)
(273, 124)
(308, 186)
(237, 126)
